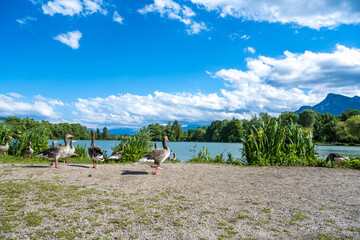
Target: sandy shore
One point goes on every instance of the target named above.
(187, 201)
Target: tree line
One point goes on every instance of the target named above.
(56, 131)
(326, 128)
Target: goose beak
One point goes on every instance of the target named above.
(11, 138)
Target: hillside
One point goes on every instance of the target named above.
(335, 104)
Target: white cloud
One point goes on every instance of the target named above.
(117, 18)
(70, 38)
(73, 7)
(26, 20)
(309, 13)
(245, 37)
(275, 85)
(271, 85)
(173, 10)
(49, 100)
(250, 50)
(15, 95)
(10, 106)
(135, 111)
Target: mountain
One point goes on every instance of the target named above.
(334, 104)
(121, 131)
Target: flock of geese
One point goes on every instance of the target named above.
(153, 158)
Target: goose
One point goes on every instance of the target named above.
(95, 152)
(5, 148)
(335, 158)
(117, 155)
(27, 152)
(155, 157)
(71, 151)
(55, 153)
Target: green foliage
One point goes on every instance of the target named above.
(38, 136)
(288, 117)
(276, 144)
(307, 118)
(57, 131)
(232, 131)
(204, 157)
(353, 164)
(5, 130)
(348, 114)
(81, 150)
(137, 146)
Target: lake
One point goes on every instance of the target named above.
(183, 153)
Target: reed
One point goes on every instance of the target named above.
(275, 144)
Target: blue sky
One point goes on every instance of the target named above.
(131, 63)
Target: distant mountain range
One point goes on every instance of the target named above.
(335, 104)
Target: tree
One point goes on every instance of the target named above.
(98, 134)
(105, 133)
(353, 127)
(177, 132)
(156, 131)
(348, 114)
(328, 132)
(232, 131)
(288, 117)
(307, 118)
(213, 131)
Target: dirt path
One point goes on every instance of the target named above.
(187, 201)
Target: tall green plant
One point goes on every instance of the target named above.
(38, 136)
(81, 150)
(275, 144)
(137, 146)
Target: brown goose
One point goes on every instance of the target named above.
(55, 153)
(117, 155)
(27, 152)
(155, 157)
(95, 152)
(5, 148)
(335, 158)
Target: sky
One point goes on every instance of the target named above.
(125, 63)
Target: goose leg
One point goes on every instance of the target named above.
(56, 163)
(52, 163)
(157, 168)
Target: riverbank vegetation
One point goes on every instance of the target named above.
(326, 128)
(267, 141)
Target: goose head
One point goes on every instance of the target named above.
(9, 137)
(69, 136)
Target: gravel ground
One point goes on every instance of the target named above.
(186, 201)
